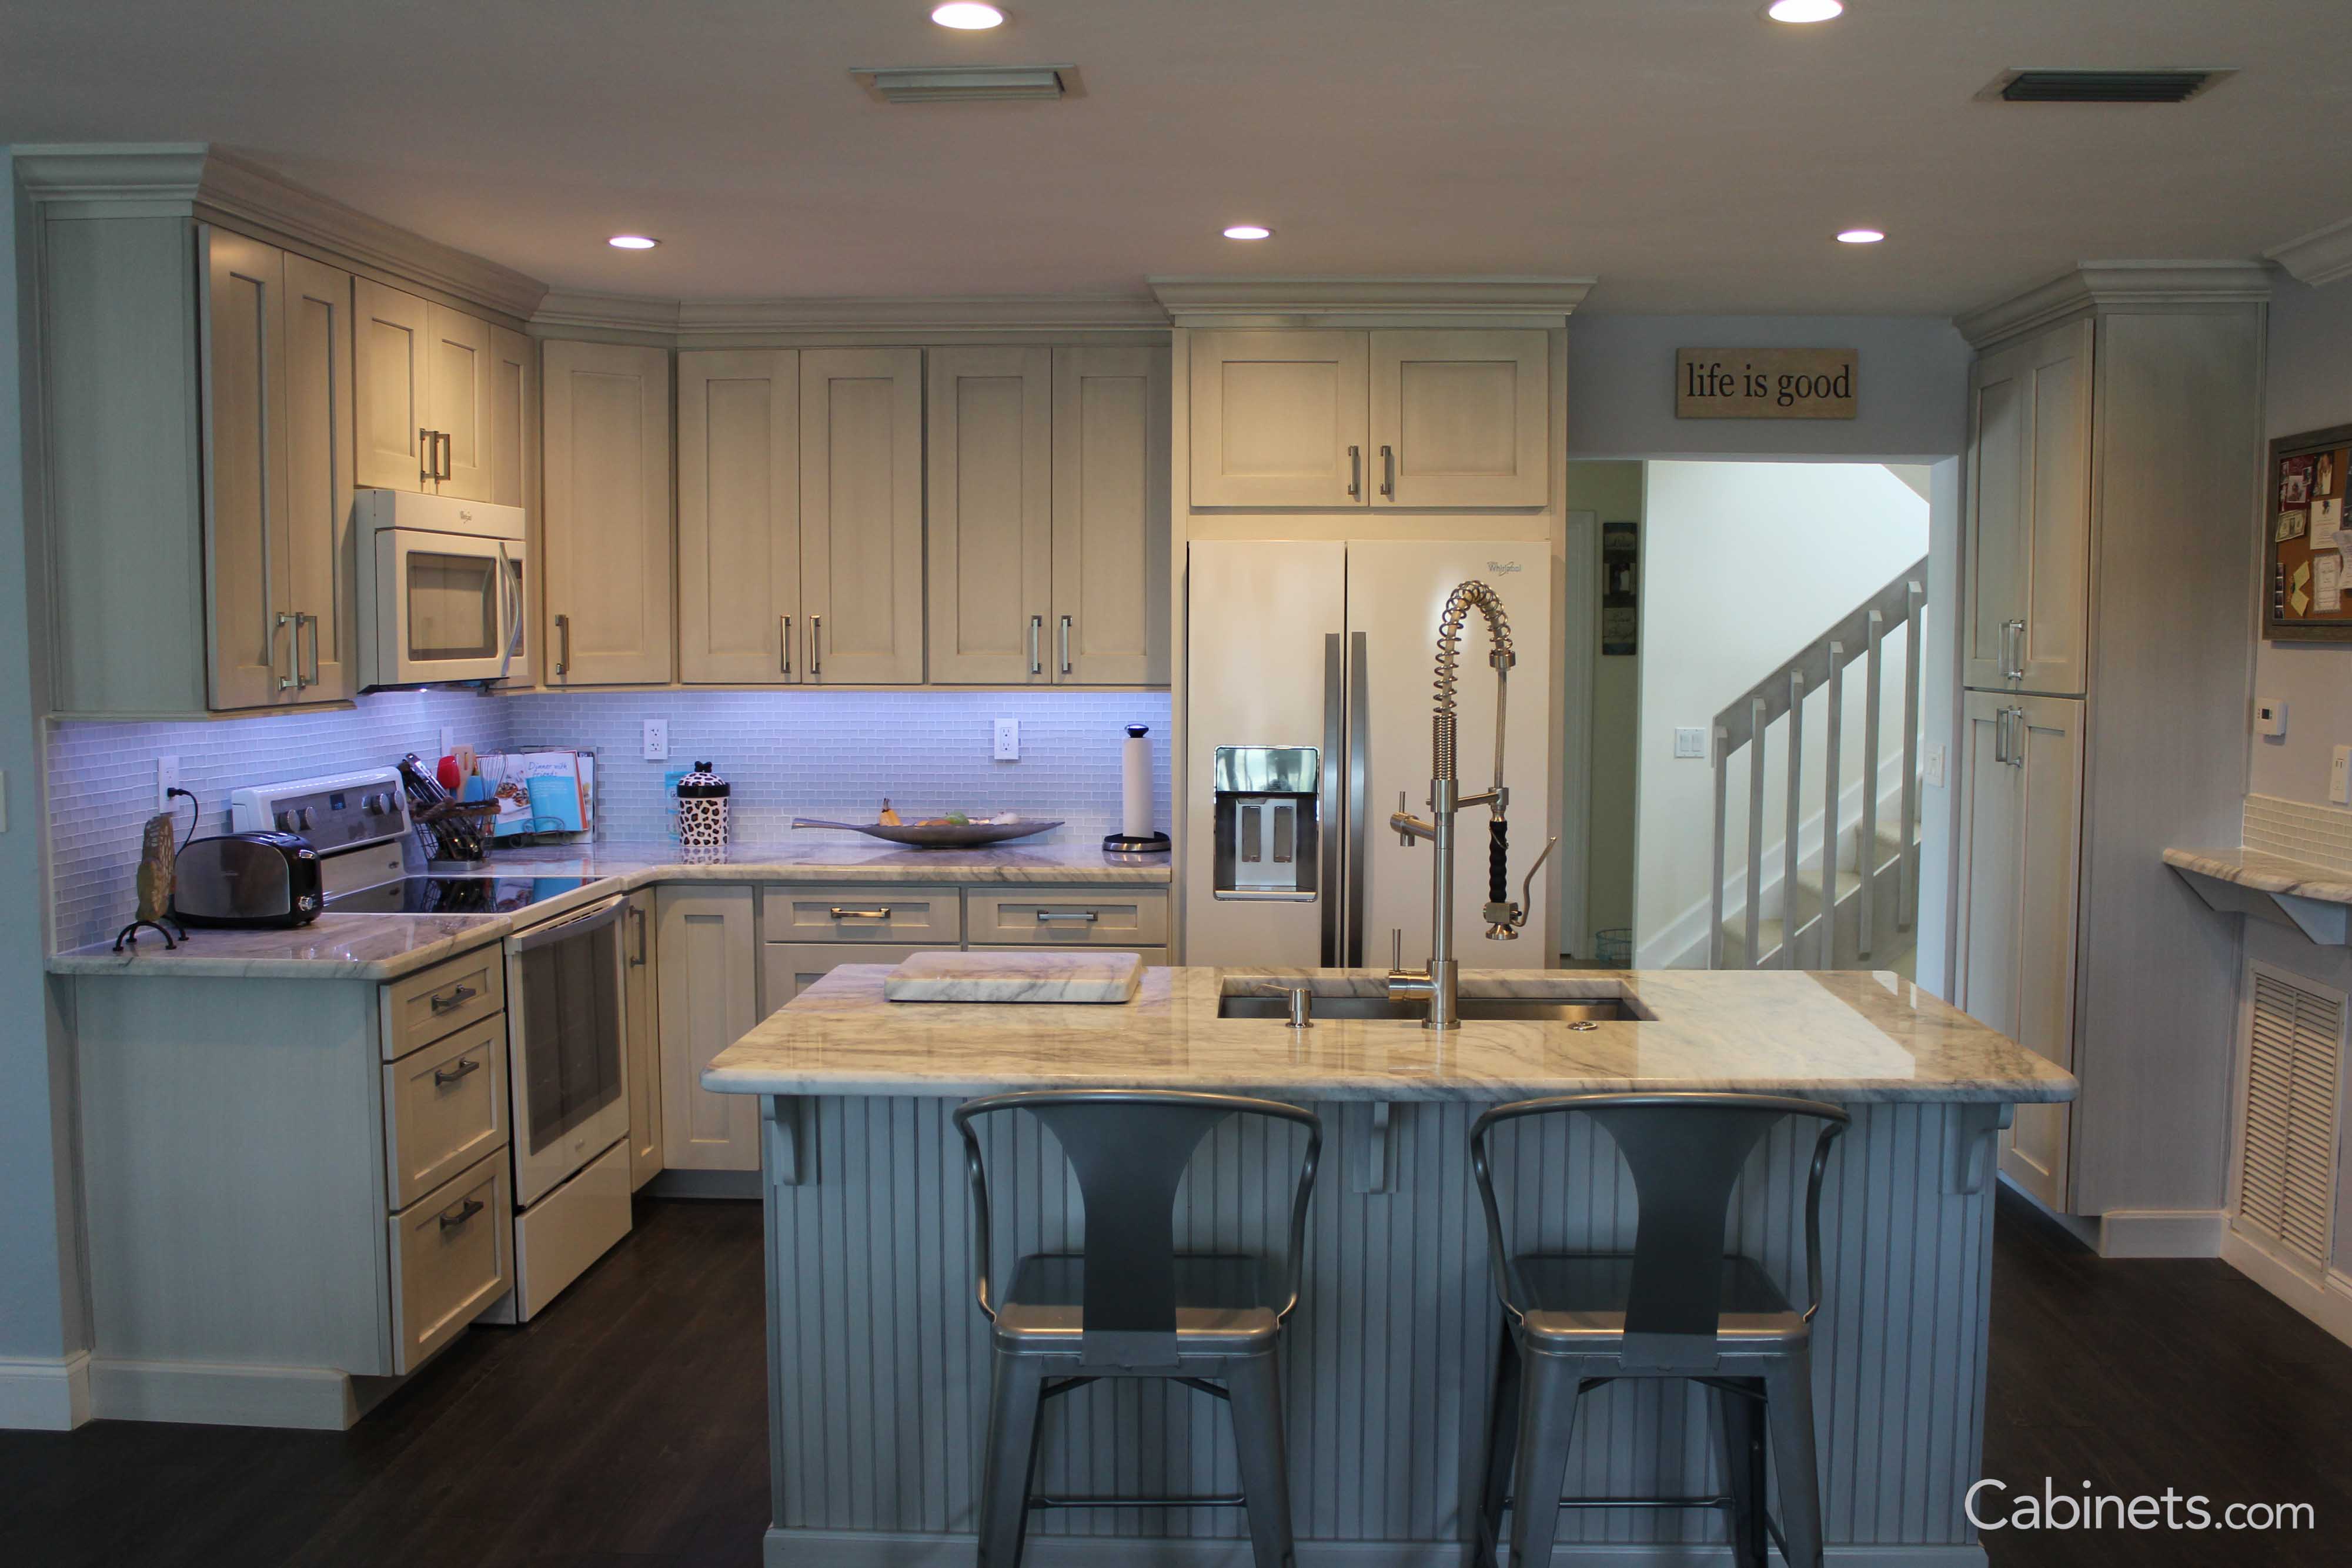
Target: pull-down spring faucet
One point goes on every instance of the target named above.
(1441, 982)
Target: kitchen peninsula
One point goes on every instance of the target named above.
(1388, 1358)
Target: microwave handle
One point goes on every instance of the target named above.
(605, 913)
(509, 584)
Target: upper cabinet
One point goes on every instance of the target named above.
(2030, 524)
(1333, 417)
(739, 529)
(609, 551)
(438, 389)
(1109, 605)
(991, 515)
(861, 474)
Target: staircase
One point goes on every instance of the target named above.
(1852, 903)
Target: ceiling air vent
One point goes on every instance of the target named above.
(966, 84)
(2101, 86)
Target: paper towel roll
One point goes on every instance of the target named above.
(1135, 780)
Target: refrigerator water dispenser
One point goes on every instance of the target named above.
(1266, 830)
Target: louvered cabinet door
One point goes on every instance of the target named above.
(2287, 1108)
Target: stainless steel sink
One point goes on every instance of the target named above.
(1540, 1010)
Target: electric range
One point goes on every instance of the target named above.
(452, 895)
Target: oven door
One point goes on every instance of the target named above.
(446, 607)
(565, 1033)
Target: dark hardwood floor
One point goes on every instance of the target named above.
(627, 1428)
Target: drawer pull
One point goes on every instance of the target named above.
(840, 914)
(453, 1217)
(442, 1001)
(445, 1076)
(1089, 915)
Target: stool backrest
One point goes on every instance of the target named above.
(1129, 1150)
(1685, 1153)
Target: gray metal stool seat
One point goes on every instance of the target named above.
(1130, 1305)
(1676, 1306)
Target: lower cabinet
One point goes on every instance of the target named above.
(641, 1018)
(788, 968)
(706, 936)
(452, 1256)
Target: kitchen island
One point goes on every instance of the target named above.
(878, 1362)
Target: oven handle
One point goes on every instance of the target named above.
(605, 913)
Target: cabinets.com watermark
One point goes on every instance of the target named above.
(1992, 1505)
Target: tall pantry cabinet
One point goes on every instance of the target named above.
(2116, 426)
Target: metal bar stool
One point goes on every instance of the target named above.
(1130, 1305)
(1676, 1306)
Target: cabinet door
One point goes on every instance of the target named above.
(990, 443)
(1459, 418)
(2029, 546)
(1109, 613)
(319, 560)
(861, 515)
(1278, 419)
(739, 518)
(458, 400)
(642, 1017)
(512, 427)
(388, 354)
(251, 648)
(707, 943)
(608, 572)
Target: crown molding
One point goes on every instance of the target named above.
(199, 180)
(2323, 255)
(745, 322)
(1369, 299)
(2114, 283)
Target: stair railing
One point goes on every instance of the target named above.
(1863, 633)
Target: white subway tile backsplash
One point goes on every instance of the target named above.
(2299, 829)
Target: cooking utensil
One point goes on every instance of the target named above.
(971, 835)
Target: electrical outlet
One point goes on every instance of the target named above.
(1935, 767)
(1691, 741)
(1008, 740)
(657, 745)
(167, 779)
(2339, 776)
(2270, 716)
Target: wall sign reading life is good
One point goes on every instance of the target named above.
(1764, 384)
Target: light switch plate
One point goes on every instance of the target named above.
(1934, 767)
(1008, 740)
(1691, 741)
(167, 779)
(2270, 716)
(657, 744)
(2339, 776)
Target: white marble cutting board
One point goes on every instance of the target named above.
(1068, 975)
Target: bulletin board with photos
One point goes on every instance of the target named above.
(2307, 580)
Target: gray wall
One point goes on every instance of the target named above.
(37, 1277)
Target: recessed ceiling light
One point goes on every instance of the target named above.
(1805, 10)
(1859, 236)
(1249, 231)
(631, 242)
(968, 16)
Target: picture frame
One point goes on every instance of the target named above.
(2306, 544)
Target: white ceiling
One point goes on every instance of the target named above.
(1692, 155)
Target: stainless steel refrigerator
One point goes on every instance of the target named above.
(1309, 688)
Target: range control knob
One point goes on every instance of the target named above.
(285, 822)
(306, 819)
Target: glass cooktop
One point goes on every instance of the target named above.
(454, 894)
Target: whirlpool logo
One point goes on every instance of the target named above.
(1503, 568)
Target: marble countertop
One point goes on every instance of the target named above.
(1847, 1035)
(2265, 872)
(386, 946)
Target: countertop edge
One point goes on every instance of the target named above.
(2265, 872)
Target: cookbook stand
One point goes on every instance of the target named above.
(130, 934)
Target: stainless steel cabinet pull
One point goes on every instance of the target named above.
(301, 619)
(1087, 915)
(639, 960)
(1355, 470)
(429, 454)
(442, 1001)
(445, 1076)
(2012, 649)
(1037, 630)
(785, 643)
(840, 914)
(1066, 644)
(293, 679)
(453, 1217)
(816, 646)
(2017, 737)
(1388, 471)
(2000, 734)
(563, 645)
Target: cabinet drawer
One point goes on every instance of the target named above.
(788, 968)
(444, 1108)
(888, 916)
(1087, 917)
(435, 1002)
(452, 1256)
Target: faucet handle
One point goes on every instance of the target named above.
(1402, 837)
(1396, 948)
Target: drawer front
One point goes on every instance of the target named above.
(788, 968)
(452, 1256)
(436, 1002)
(886, 916)
(1074, 916)
(444, 1108)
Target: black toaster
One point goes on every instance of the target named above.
(249, 879)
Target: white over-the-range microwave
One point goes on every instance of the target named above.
(440, 590)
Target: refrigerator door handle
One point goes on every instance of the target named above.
(1360, 720)
(1335, 722)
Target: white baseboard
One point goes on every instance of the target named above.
(44, 1393)
(2161, 1232)
(2326, 1300)
(310, 1398)
(876, 1549)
